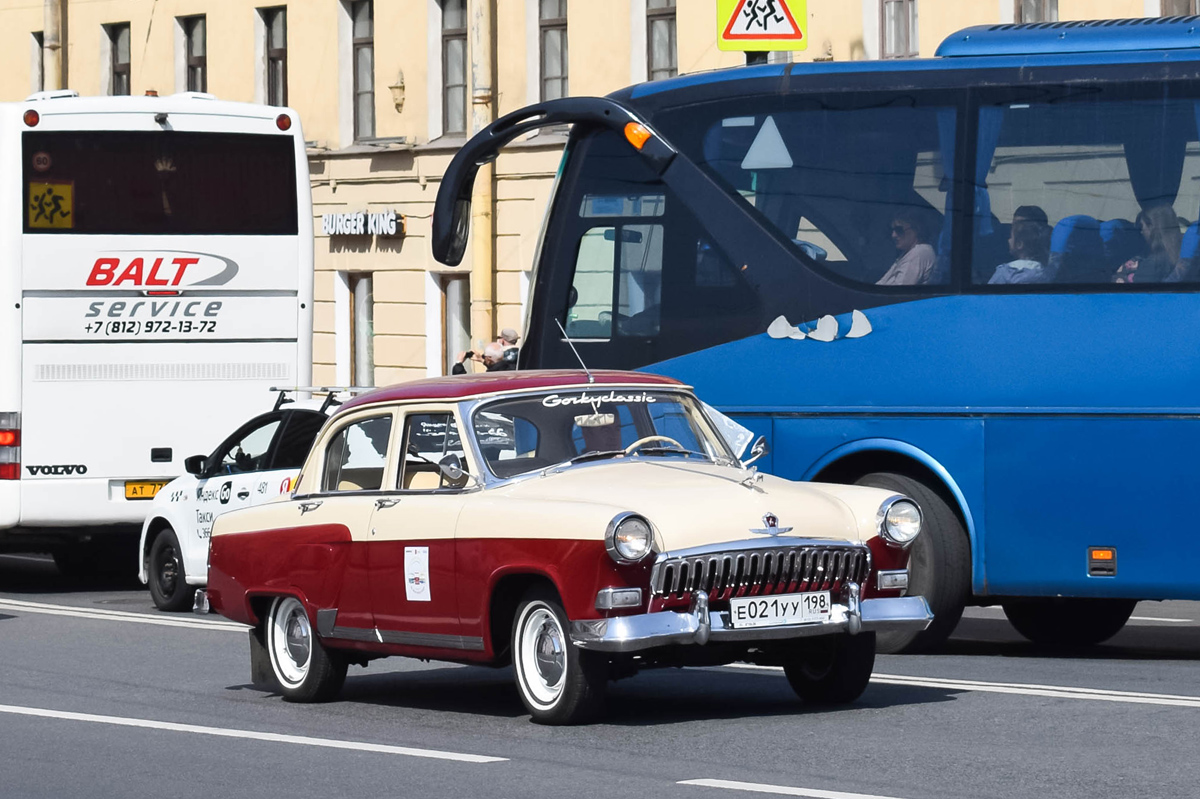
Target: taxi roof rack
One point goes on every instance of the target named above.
(331, 394)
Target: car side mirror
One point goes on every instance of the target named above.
(759, 448)
(451, 468)
(194, 464)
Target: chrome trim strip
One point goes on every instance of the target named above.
(431, 640)
(698, 626)
(898, 576)
(775, 542)
(604, 598)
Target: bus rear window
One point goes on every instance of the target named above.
(134, 182)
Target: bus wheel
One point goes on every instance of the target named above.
(1063, 623)
(168, 583)
(939, 566)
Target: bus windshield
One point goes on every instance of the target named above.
(171, 182)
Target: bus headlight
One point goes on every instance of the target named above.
(899, 521)
(628, 538)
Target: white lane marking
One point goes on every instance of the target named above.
(1160, 618)
(781, 790)
(223, 732)
(1023, 689)
(116, 615)
(993, 609)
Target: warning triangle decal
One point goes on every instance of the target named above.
(762, 19)
(767, 151)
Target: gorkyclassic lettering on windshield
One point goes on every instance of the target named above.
(554, 400)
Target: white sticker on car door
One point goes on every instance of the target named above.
(416, 574)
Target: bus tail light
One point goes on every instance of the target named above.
(283, 122)
(10, 446)
(32, 118)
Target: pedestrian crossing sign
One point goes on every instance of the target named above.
(757, 25)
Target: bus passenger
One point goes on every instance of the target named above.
(1029, 243)
(916, 262)
(1160, 229)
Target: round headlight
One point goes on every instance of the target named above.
(902, 522)
(629, 538)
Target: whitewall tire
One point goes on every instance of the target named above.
(303, 668)
(558, 682)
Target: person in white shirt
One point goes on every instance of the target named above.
(915, 264)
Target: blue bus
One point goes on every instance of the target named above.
(972, 279)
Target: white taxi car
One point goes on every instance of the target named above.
(256, 464)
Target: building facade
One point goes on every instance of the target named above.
(388, 90)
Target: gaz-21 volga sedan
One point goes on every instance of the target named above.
(580, 527)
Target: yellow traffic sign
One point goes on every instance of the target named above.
(756, 25)
(51, 204)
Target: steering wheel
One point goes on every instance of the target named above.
(635, 446)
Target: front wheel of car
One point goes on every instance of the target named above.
(168, 582)
(833, 670)
(304, 669)
(1067, 622)
(558, 682)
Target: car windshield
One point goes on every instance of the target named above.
(533, 432)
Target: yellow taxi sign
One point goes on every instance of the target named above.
(756, 25)
(51, 204)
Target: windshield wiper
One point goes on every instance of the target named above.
(585, 456)
(687, 453)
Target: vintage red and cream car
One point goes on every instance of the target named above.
(580, 527)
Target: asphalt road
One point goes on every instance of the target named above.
(102, 696)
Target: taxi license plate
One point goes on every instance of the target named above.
(775, 611)
(145, 489)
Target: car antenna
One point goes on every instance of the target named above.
(571, 344)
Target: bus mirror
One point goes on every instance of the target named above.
(461, 226)
(194, 464)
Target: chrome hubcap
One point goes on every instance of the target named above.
(296, 636)
(551, 659)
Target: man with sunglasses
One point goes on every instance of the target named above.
(916, 261)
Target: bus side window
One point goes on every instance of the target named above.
(630, 274)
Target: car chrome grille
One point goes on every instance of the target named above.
(751, 572)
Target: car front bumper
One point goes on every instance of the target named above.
(700, 625)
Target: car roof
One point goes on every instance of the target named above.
(457, 387)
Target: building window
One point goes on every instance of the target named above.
(195, 38)
(454, 66)
(118, 61)
(362, 328)
(37, 63)
(1036, 11)
(275, 25)
(1180, 8)
(899, 28)
(362, 20)
(552, 21)
(662, 61)
(456, 319)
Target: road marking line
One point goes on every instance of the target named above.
(223, 732)
(117, 615)
(782, 790)
(994, 609)
(1160, 618)
(1023, 689)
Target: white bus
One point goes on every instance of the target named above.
(156, 278)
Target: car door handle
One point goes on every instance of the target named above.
(305, 507)
(380, 504)
(243, 494)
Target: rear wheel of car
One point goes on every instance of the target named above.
(558, 682)
(305, 670)
(832, 670)
(168, 583)
(1064, 623)
(939, 565)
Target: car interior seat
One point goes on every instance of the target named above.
(1077, 252)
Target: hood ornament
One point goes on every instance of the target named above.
(770, 526)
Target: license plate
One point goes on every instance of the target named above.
(774, 611)
(145, 489)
